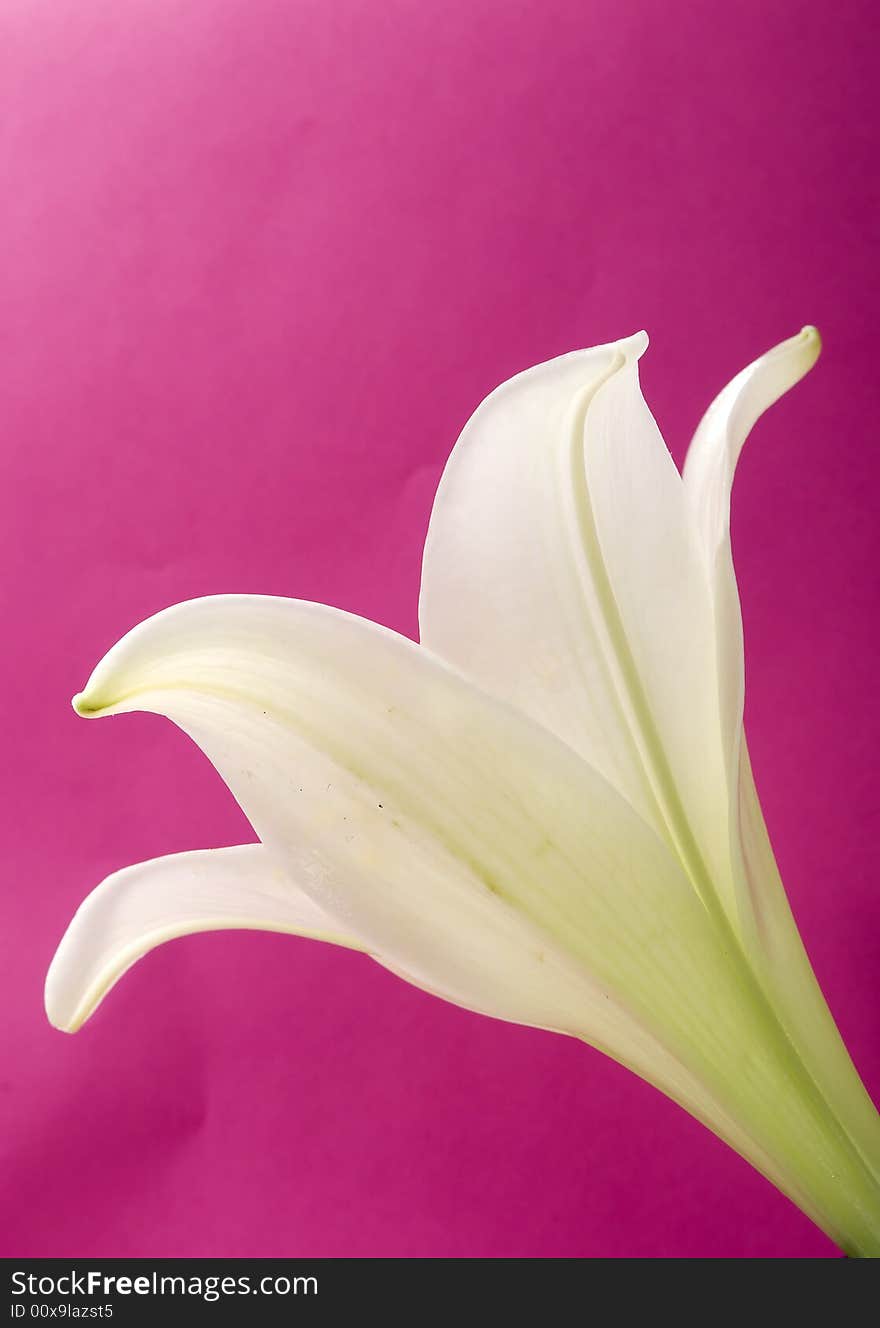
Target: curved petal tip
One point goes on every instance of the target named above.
(635, 346)
(808, 342)
(65, 1014)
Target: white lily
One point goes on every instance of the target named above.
(545, 812)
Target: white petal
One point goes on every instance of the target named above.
(771, 935)
(723, 430)
(140, 907)
(651, 584)
(562, 573)
(505, 595)
(708, 479)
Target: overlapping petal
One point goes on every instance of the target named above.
(505, 594)
(424, 816)
(562, 573)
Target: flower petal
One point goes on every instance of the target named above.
(140, 907)
(561, 572)
(651, 585)
(503, 585)
(771, 935)
(708, 480)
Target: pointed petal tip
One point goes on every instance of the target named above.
(67, 1008)
(87, 705)
(58, 1012)
(61, 1027)
(635, 346)
(811, 339)
(807, 340)
(801, 351)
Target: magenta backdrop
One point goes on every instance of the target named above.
(260, 260)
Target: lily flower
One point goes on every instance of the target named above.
(544, 812)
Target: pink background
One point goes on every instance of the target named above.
(260, 260)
